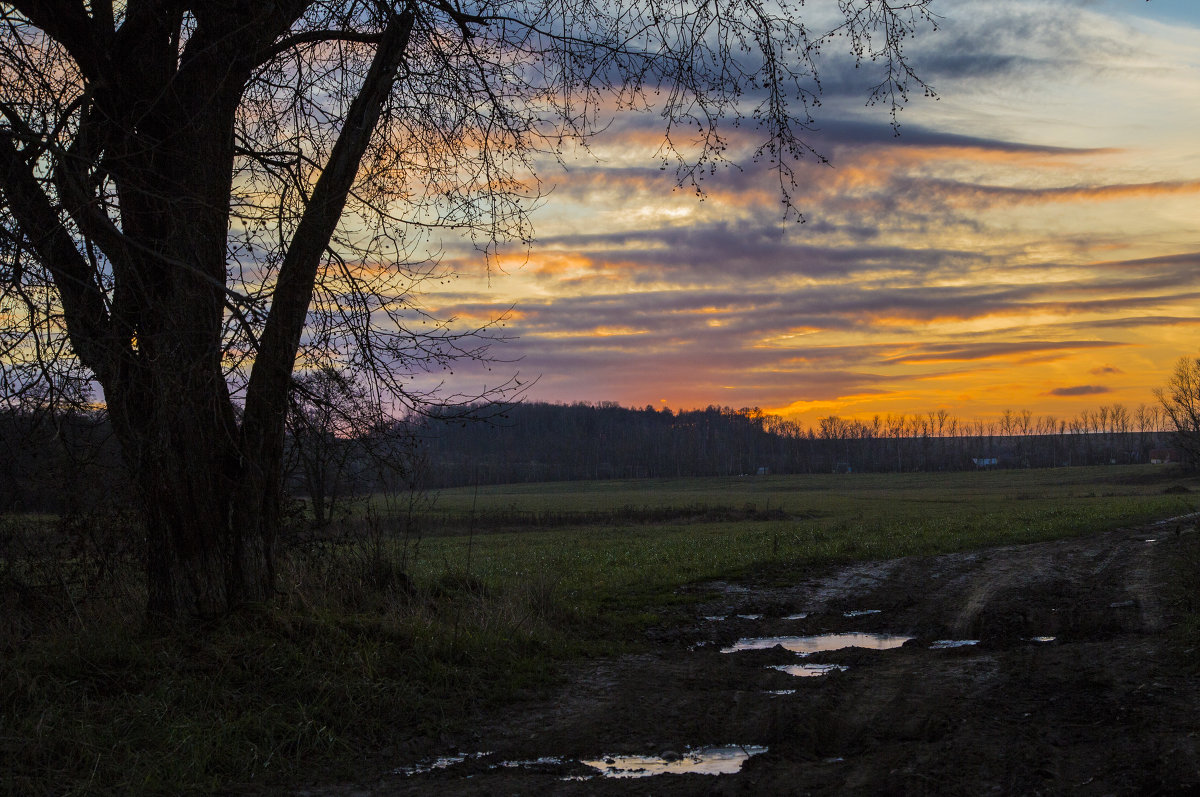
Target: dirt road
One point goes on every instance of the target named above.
(1065, 678)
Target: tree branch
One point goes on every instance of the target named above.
(315, 36)
(69, 25)
(88, 323)
(266, 393)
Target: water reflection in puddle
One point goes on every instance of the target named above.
(942, 644)
(705, 761)
(799, 616)
(438, 763)
(548, 760)
(809, 670)
(717, 618)
(805, 645)
(1042, 639)
(862, 612)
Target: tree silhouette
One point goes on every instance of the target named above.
(197, 196)
(1180, 401)
(332, 422)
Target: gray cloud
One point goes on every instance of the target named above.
(696, 313)
(1078, 390)
(949, 352)
(875, 134)
(985, 41)
(736, 252)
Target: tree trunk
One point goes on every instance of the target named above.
(203, 559)
(206, 553)
(315, 479)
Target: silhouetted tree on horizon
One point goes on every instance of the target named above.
(1180, 401)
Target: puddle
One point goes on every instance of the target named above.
(942, 644)
(1151, 540)
(438, 763)
(780, 692)
(800, 616)
(809, 670)
(1042, 639)
(704, 761)
(549, 760)
(805, 645)
(717, 618)
(862, 612)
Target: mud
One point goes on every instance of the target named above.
(1074, 680)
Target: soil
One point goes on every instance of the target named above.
(1110, 705)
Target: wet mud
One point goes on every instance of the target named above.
(1052, 668)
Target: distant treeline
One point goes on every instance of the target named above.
(69, 462)
(537, 441)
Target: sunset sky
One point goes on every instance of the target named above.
(1031, 240)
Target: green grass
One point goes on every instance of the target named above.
(376, 639)
(829, 518)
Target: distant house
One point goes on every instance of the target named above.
(1164, 456)
(1002, 458)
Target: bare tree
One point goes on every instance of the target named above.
(1180, 401)
(196, 195)
(332, 422)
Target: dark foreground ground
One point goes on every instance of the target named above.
(1111, 705)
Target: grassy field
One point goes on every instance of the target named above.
(597, 539)
(803, 492)
(388, 632)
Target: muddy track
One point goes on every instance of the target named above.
(1109, 705)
